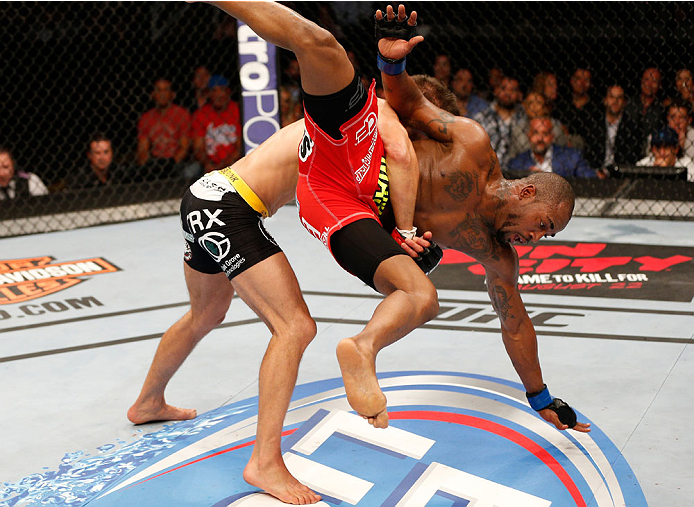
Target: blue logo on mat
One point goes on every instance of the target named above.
(454, 440)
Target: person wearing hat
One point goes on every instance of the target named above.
(664, 150)
(217, 128)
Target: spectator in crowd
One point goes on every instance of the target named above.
(17, 184)
(580, 112)
(200, 92)
(545, 155)
(685, 85)
(463, 85)
(665, 148)
(217, 128)
(545, 83)
(100, 169)
(494, 77)
(290, 110)
(442, 69)
(645, 109)
(679, 118)
(163, 137)
(613, 138)
(499, 118)
(534, 106)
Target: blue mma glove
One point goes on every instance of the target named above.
(542, 400)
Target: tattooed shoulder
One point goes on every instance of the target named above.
(441, 123)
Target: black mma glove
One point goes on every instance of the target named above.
(542, 400)
(429, 258)
(393, 29)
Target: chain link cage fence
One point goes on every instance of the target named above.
(78, 77)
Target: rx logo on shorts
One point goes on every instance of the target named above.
(216, 244)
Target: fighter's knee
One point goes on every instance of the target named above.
(210, 318)
(304, 330)
(429, 303)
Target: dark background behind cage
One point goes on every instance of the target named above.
(72, 68)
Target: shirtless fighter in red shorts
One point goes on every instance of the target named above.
(339, 167)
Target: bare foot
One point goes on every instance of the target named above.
(276, 480)
(361, 385)
(141, 413)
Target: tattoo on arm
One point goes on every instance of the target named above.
(441, 123)
(461, 184)
(501, 303)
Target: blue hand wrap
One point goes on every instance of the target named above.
(540, 400)
(391, 68)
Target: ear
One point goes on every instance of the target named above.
(527, 192)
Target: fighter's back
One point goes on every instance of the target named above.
(272, 169)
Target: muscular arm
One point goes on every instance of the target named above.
(517, 329)
(403, 170)
(405, 97)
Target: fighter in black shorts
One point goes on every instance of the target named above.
(223, 232)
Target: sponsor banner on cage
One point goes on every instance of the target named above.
(258, 77)
(658, 272)
(34, 277)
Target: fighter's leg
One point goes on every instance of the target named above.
(210, 296)
(325, 66)
(367, 250)
(270, 288)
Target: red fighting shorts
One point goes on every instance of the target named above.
(338, 179)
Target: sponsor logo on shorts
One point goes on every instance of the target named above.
(187, 252)
(216, 244)
(305, 147)
(34, 277)
(195, 219)
(322, 236)
(208, 189)
(382, 194)
(367, 129)
(366, 161)
(231, 265)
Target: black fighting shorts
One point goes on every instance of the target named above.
(222, 232)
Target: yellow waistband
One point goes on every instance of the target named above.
(244, 191)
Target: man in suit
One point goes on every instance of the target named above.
(545, 156)
(614, 137)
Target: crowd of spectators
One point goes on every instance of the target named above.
(531, 127)
(583, 134)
